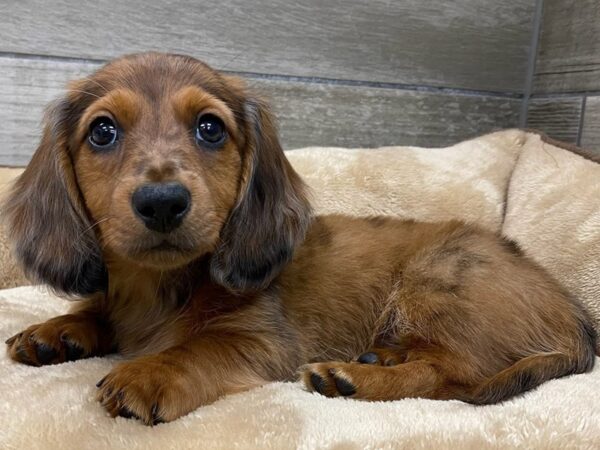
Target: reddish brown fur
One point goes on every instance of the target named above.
(258, 288)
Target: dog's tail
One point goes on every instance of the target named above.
(533, 370)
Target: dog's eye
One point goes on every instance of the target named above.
(210, 131)
(103, 132)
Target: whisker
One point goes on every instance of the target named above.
(82, 234)
(97, 223)
(96, 83)
(158, 284)
(85, 92)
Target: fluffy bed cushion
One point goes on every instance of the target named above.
(10, 273)
(553, 211)
(544, 196)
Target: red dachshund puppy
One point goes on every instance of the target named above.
(160, 196)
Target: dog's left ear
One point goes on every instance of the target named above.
(271, 216)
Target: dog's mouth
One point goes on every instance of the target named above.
(163, 254)
(165, 246)
(161, 250)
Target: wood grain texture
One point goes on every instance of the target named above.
(347, 116)
(590, 136)
(308, 113)
(569, 50)
(559, 118)
(480, 45)
(26, 87)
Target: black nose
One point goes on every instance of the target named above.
(161, 206)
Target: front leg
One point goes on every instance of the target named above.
(164, 386)
(64, 338)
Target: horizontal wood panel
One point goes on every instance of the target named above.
(559, 118)
(569, 50)
(346, 116)
(480, 45)
(308, 113)
(590, 136)
(26, 87)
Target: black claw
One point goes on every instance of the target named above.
(101, 382)
(72, 351)
(23, 356)
(127, 413)
(156, 419)
(318, 383)
(11, 340)
(44, 353)
(368, 358)
(344, 387)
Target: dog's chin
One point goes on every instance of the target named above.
(164, 255)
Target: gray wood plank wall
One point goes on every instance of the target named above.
(471, 44)
(560, 118)
(308, 113)
(566, 83)
(590, 136)
(341, 72)
(569, 52)
(418, 73)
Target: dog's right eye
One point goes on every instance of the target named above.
(103, 133)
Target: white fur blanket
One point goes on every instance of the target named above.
(546, 197)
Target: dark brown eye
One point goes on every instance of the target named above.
(210, 131)
(103, 133)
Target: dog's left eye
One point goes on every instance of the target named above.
(210, 131)
(103, 133)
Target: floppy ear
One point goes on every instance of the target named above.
(271, 216)
(46, 218)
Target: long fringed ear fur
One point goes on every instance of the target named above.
(46, 217)
(272, 214)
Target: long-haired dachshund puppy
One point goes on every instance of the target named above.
(161, 197)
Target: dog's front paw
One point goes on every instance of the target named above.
(64, 338)
(150, 389)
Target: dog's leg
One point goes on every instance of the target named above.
(376, 382)
(64, 338)
(164, 386)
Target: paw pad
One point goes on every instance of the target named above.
(343, 386)
(44, 353)
(318, 383)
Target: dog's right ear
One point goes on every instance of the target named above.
(46, 218)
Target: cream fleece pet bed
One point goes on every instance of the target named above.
(544, 196)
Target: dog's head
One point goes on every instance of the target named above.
(157, 160)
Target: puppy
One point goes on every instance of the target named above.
(160, 196)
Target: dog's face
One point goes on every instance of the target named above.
(157, 160)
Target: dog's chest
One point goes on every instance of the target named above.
(146, 325)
